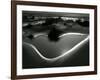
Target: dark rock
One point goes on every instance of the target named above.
(54, 34)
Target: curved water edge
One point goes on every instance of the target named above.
(69, 52)
(44, 34)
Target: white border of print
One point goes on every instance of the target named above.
(35, 71)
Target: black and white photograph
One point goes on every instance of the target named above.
(53, 39)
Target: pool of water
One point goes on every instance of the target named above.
(51, 49)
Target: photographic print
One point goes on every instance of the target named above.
(53, 39)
